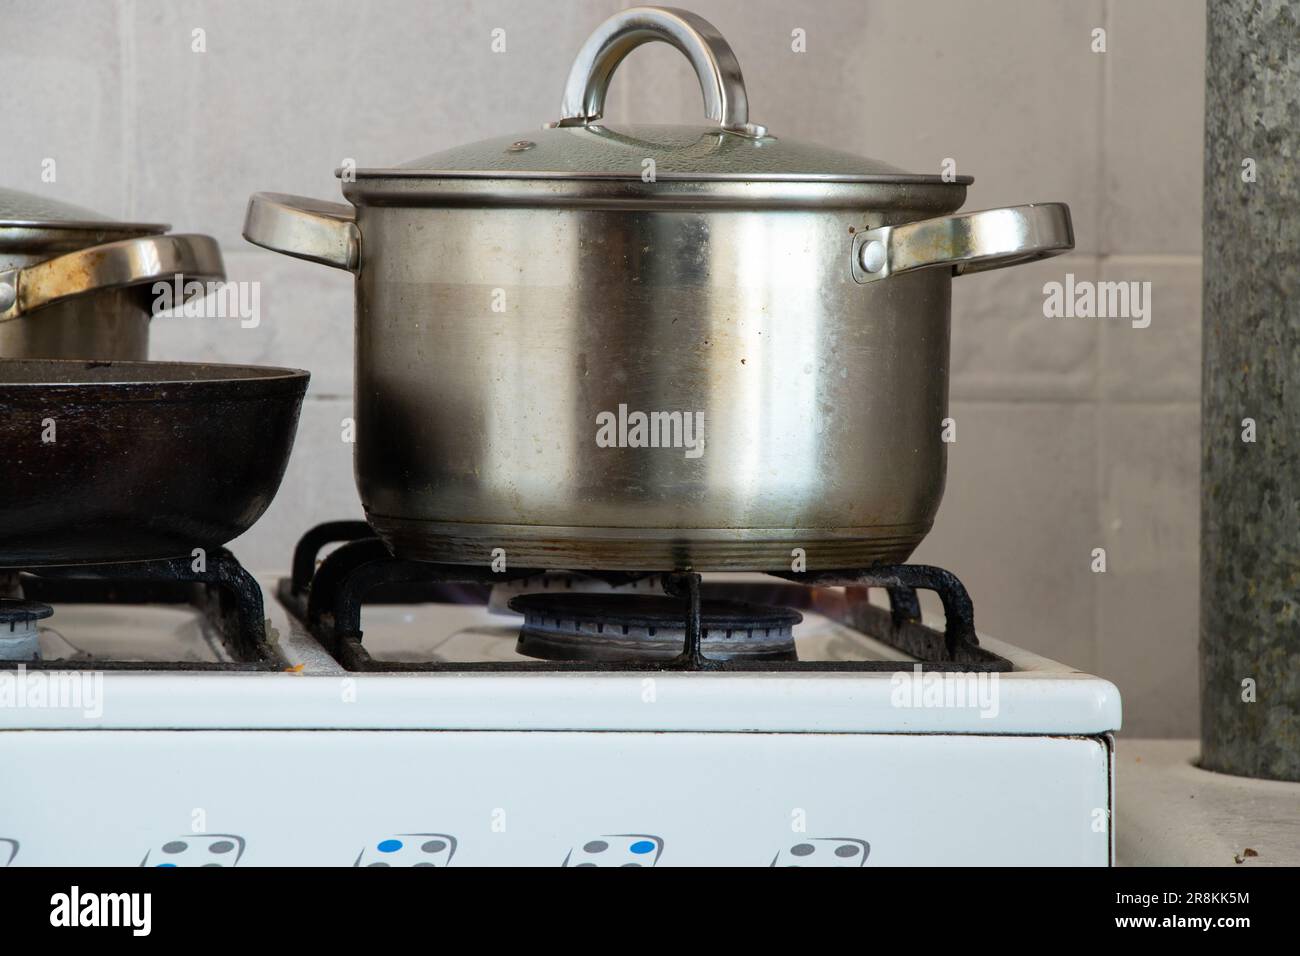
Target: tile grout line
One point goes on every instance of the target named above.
(1104, 106)
(1105, 252)
(1103, 244)
(126, 46)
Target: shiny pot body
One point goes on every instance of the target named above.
(85, 292)
(494, 344)
(109, 324)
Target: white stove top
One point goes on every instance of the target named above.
(1039, 697)
(315, 765)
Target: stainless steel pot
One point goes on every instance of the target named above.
(76, 285)
(520, 300)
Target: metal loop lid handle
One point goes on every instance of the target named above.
(968, 242)
(715, 64)
(113, 265)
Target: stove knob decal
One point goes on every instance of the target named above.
(8, 850)
(824, 851)
(197, 849)
(617, 849)
(409, 849)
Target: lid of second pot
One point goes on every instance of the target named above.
(30, 222)
(28, 209)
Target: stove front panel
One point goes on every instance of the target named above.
(401, 798)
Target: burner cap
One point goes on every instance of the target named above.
(14, 614)
(627, 627)
(19, 639)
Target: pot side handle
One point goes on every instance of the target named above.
(311, 229)
(112, 265)
(967, 242)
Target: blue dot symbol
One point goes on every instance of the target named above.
(173, 865)
(390, 846)
(642, 846)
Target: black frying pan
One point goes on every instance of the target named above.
(149, 459)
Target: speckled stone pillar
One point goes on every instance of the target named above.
(1250, 490)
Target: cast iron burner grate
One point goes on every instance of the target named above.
(226, 594)
(328, 601)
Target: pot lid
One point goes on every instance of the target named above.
(681, 153)
(579, 147)
(32, 211)
(33, 226)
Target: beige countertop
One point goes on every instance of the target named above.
(1171, 813)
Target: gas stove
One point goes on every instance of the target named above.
(192, 714)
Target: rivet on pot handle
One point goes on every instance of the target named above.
(969, 242)
(312, 229)
(721, 82)
(113, 265)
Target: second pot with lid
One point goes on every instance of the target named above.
(78, 285)
(650, 348)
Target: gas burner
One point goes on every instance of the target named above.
(19, 639)
(646, 627)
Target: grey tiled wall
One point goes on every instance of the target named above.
(1072, 434)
